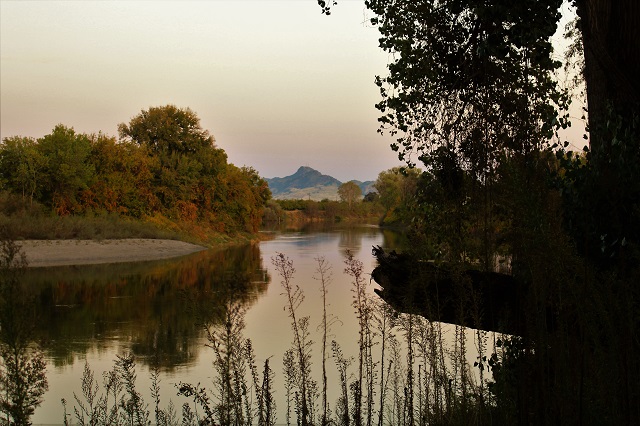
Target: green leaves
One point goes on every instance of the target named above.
(67, 170)
(461, 66)
(164, 163)
(167, 129)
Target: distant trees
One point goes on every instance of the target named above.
(22, 166)
(397, 189)
(349, 192)
(324, 210)
(164, 165)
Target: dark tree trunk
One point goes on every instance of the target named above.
(611, 38)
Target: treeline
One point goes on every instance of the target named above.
(164, 169)
(326, 210)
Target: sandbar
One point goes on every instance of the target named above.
(41, 253)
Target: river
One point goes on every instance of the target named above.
(92, 313)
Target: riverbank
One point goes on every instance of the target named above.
(41, 253)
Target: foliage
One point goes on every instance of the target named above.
(471, 95)
(167, 130)
(349, 192)
(164, 166)
(604, 181)
(67, 171)
(397, 189)
(469, 76)
(325, 210)
(21, 166)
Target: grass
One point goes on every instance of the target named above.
(404, 372)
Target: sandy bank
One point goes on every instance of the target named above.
(84, 252)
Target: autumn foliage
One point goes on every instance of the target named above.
(164, 167)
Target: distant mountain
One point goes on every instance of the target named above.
(307, 183)
(366, 187)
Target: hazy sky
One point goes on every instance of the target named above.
(278, 84)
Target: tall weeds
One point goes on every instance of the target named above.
(415, 378)
(363, 306)
(323, 272)
(302, 342)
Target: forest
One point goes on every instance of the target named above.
(164, 170)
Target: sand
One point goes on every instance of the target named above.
(84, 252)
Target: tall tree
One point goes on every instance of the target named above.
(470, 76)
(470, 93)
(167, 129)
(21, 165)
(611, 39)
(184, 153)
(67, 170)
(349, 192)
(397, 188)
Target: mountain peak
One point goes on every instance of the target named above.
(306, 182)
(307, 170)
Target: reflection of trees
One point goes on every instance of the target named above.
(394, 239)
(23, 379)
(151, 303)
(351, 237)
(350, 240)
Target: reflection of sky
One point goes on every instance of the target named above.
(267, 323)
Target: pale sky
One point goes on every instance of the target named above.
(278, 84)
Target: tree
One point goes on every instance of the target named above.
(371, 197)
(67, 170)
(469, 76)
(610, 32)
(397, 188)
(349, 192)
(387, 185)
(471, 94)
(167, 129)
(22, 165)
(123, 177)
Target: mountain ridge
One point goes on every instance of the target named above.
(308, 183)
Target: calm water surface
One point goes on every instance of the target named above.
(92, 313)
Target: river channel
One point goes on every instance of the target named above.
(90, 314)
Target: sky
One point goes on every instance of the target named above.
(277, 83)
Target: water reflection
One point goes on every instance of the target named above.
(95, 312)
(349, 236)
(150, 306)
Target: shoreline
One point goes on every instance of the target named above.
(45, 253)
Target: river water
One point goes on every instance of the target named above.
(90, 314)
